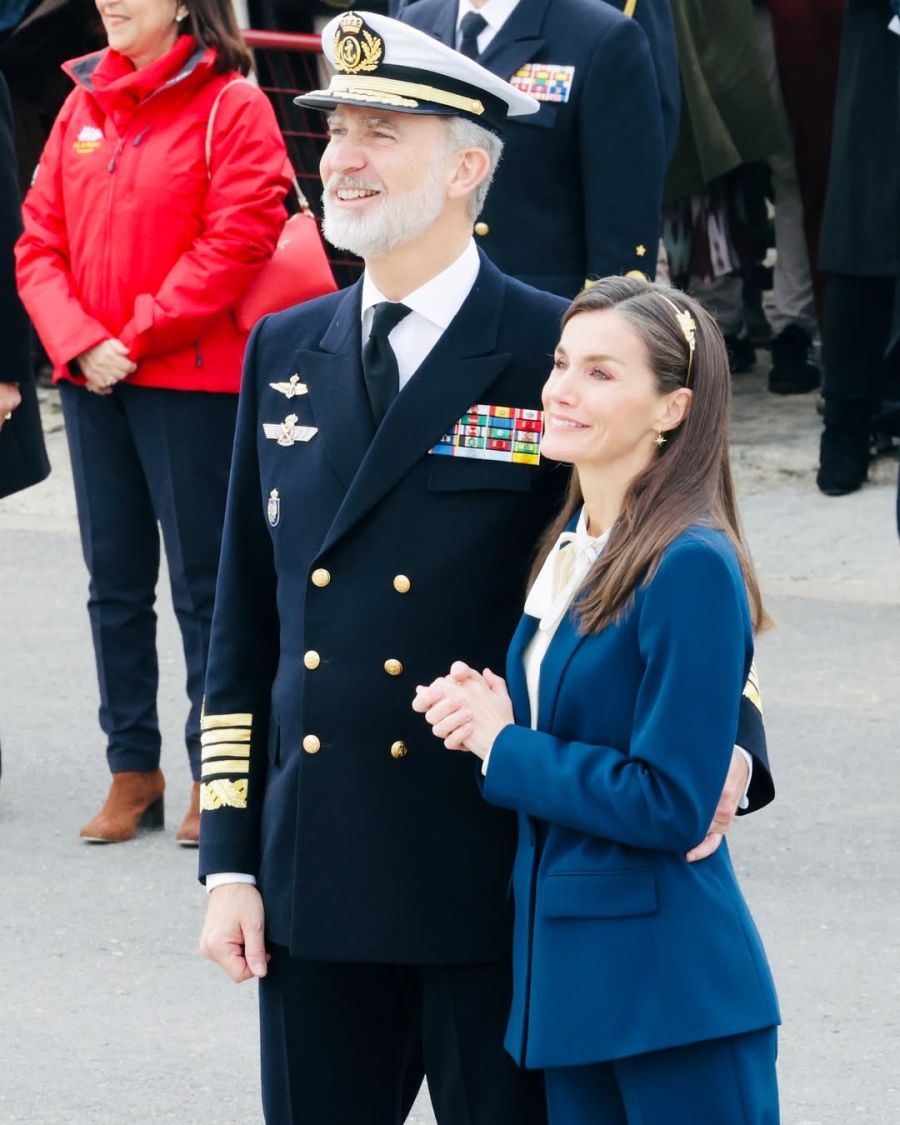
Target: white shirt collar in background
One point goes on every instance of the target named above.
(495, 12)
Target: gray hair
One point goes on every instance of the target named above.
(463, 133)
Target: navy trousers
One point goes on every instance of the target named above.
(349, 1044)
(146, 458)
(719, 1082)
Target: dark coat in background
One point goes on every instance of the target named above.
(23, 458)
(727, 114)
(578, 192)
(861, 226)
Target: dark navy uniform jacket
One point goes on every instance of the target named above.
(354, 568)
(578, 191)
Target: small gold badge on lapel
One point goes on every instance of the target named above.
(288, 432)
(273, 508)
(292, 387)
(546, 82)
(495, 433)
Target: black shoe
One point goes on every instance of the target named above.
(741, 355)
(843, 460)
(794, 369)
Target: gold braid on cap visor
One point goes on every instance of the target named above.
(394, 91)
(688, 327)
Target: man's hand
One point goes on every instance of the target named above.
(9, 400)
(104, 365)
(735, 784)
(233, 931)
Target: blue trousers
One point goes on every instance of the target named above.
(719, 1082)
(146, 458)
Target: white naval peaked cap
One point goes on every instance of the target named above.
(383, 63)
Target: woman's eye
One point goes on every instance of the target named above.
(599, 373)
(558, 364)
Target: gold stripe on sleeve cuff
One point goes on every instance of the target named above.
(226, 749)
(751, 688)
(227, 765)
(225, 734)
(237, 719)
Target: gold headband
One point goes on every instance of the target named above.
(688, 327)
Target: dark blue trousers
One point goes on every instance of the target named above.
(143, 459)
(349, 1044)
(719, 1082)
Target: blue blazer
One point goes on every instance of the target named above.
(621, 946)
(578, 192)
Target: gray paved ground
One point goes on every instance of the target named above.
(108, 1016)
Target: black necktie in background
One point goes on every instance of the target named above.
(472, 25)
(378, 360)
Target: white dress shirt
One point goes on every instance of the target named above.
(433, 306)
(495, 12)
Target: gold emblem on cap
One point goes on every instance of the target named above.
(356, 49)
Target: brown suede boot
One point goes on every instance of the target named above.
(135, 801)
(188, 834)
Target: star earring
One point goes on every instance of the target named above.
(659, 440)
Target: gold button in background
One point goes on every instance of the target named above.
(402, 584)
(311, 744)
(399, 750)
(482, 229)
(320, 577)
(311, 659)
(393, 667)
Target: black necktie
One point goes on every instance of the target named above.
(378, 360)
(472, 25)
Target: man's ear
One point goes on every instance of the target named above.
(470, 166)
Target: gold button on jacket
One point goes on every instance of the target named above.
(393, 667)
(312, 659)
(320, 577)
(482, 229)
(399, 750)
(402, 584)
(311, 744)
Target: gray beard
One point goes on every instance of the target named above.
(394, 221)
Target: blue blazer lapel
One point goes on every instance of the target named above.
(562, 648)
(456, 374)
(337, 394)
(516, 684)
(518, 41)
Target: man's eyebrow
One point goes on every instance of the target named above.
(373, 122)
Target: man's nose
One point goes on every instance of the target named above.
(344, 155)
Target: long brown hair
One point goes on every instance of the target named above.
(212, 24)
(689, 481)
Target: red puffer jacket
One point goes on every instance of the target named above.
(127, 234)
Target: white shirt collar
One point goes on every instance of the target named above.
(441, 298)
(495, 12)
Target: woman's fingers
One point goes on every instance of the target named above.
(457, 740)
(446, 726)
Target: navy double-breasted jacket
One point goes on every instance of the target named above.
(579, 188)
(354, 567)
(621, 946)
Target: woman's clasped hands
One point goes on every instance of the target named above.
(466, 709)
(104, 365)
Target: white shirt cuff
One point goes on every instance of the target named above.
(744, 802)
(221, 878)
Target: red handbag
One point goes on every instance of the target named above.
(298, 269)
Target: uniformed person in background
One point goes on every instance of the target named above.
(579, 191)
(385, 500)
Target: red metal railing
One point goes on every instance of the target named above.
(288, 64)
